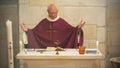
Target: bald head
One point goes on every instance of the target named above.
(52, 7)
(52, 11)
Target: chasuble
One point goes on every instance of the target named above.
(46, 33)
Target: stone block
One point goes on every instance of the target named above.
(102, 64)
(3, 30)
(41, 2)
(114, 37)
(90, 32)
(32, 15)
(102, 48)
(81, 2)
(101, 34)
(114, 50)
(23, 2)
(68, 2)
(11, 9)
(3, 20)
(92, 15)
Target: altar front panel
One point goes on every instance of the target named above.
(66, 59)
(61, 63)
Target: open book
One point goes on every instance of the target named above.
(55, 49)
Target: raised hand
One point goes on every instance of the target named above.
(24, 27)
(81, 24)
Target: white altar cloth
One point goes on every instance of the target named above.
(67, 54)
(70, 58)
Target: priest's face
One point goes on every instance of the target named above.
(52, 12)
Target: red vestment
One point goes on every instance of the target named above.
(47, 32)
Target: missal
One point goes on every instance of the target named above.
(55, 49)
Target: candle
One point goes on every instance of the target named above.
(9, 30)
(10, 43)
(20, 45)
(97, 43)
(24, 38)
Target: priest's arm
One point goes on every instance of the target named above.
(25, 28)
(80, 33)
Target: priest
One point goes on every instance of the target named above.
(52, 29)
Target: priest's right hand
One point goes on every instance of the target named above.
(23, 27)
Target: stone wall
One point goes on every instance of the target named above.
(113, 30)
(8, 10)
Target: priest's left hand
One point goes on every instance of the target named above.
(81, 24)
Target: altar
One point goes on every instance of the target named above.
(69, 58)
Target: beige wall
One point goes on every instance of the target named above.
(73, 11)
(113, 30)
